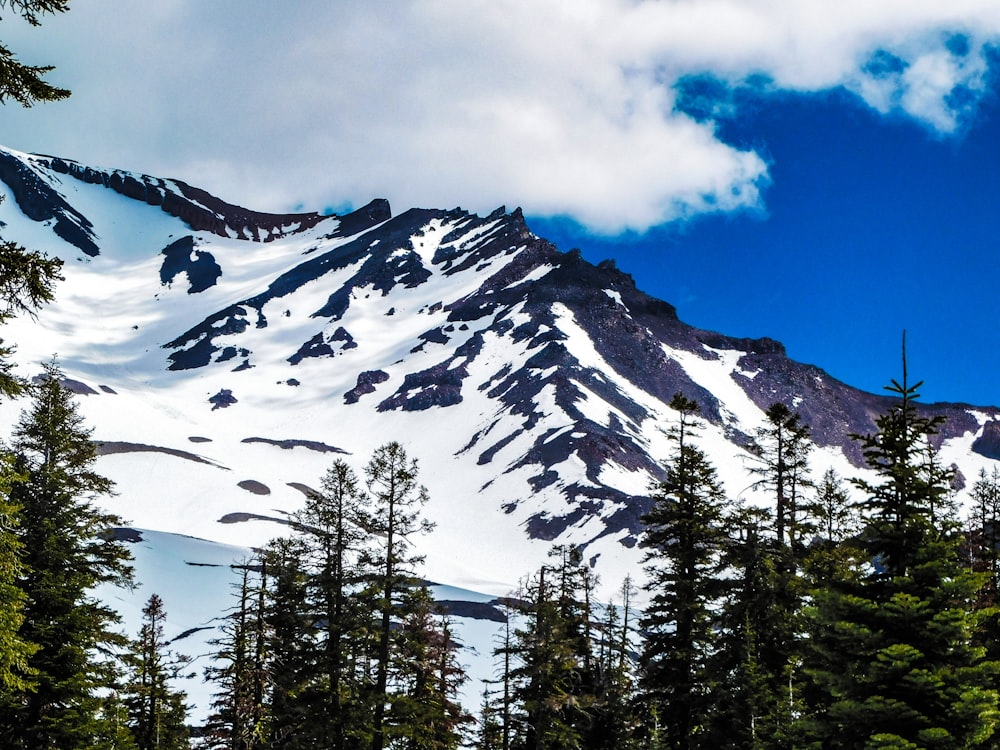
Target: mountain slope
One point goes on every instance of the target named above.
(226, 356)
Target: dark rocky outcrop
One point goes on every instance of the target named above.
(313, 445)
(39, 202)
(367, 381)
(200, 267)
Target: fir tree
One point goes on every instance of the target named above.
(157, 712)
(396, 496)
(781, 463)
(547, 676)
(425, 710)
(892, 652)
(612, 725)
(26, 283)
(67, 549)
(290, 633)
(754, 669)
(333, 529)
(19, 81)
(684, 541)
(490, 731)
(239, 669)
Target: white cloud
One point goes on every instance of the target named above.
(563, 107)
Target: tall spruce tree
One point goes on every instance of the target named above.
(684, 540)
(425, 710)
(754, 668)
(68, 549)
(551, 706)
(397, 498)
(239, 669)
(892, 654)
(157, 713)
(983, 545)
(781, 465)
(290, 635)
(27, 281)
(612, 724)
(333, 528)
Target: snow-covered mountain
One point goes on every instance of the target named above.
(225, 356)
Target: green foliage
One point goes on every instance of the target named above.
(67, 550)
(684, 539)
(24, 83)
(552, 680)
(239, 669)
(781, 465)
(892, 648)
(157, 713)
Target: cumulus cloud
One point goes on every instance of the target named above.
(565, 108)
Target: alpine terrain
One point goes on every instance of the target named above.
(224, 357)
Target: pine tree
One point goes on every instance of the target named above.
(684, 541)
(24, 83)
(505, 649)
(892, 652)
(781, 463)
(157, 713)
(26, 282)
(16, 677)
(333, 528)
(490, 732)
(391, 479)
(547, 694)
(290, 634)
(425, 710)
(754, 668)
(612, 724)
(67, 550)
(239, 669)
(983, 550)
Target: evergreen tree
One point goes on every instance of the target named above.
(892, 649)
(754, 669)
(425, 710)
(290, 633)
(157, 712)
(612, 724)
(26, 282)
(15, 652)
(834, 516)
(684, 542)
(490, 732)
(547, 678)
(24, 83)
(67, 550)
(239, 669)
(781, 463)
(391, 479)
(505, 649)
(984, 534)
(333, 528)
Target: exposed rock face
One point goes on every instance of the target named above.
(988, 443)
(553, 373)
(198, 209)
(40, 202)
(367, 381)
(200, 267)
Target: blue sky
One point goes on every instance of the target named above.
(825, 174)
(870, 225)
